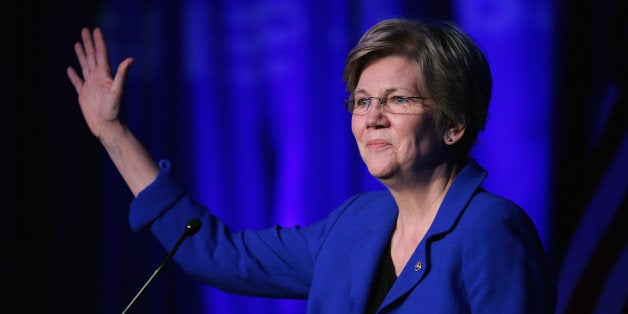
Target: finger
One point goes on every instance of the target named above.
(80, 54)
(88, 45)
(75, 79)
(121, 74)
(102, 56)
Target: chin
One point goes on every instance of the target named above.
(381, 174)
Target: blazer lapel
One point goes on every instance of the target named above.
(379, 218)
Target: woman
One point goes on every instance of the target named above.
(434, 242)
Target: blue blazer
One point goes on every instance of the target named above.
(482, 253)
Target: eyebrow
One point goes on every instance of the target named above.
(387, 91)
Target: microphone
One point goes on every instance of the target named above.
(191, 228)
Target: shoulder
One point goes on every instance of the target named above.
(497, 224)
(501, 248)
(489, 208)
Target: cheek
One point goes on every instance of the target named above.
(415, 137)
(355, 128)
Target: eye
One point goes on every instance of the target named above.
(362, 102)
(398, 100)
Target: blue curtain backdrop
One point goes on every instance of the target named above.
(245, 99)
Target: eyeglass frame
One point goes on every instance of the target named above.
(350, 103)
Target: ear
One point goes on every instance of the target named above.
(454, 134)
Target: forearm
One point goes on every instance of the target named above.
(130, 157)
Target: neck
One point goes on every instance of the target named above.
(421, 194)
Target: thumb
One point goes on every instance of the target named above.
(121, 73)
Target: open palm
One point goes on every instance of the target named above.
(99, 93)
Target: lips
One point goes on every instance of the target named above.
(377, 144)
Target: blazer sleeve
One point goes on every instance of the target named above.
(273, 262)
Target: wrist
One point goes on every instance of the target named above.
(112, 133)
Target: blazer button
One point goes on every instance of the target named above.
(418, 266)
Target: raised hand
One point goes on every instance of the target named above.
(99, 96)
(99, 93)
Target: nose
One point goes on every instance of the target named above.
(375, 115)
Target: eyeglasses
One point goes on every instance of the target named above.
(394, 104)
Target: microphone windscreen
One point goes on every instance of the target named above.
(193, 226)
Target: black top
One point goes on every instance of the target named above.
(383, 281)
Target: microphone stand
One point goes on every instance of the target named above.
(191, 228)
